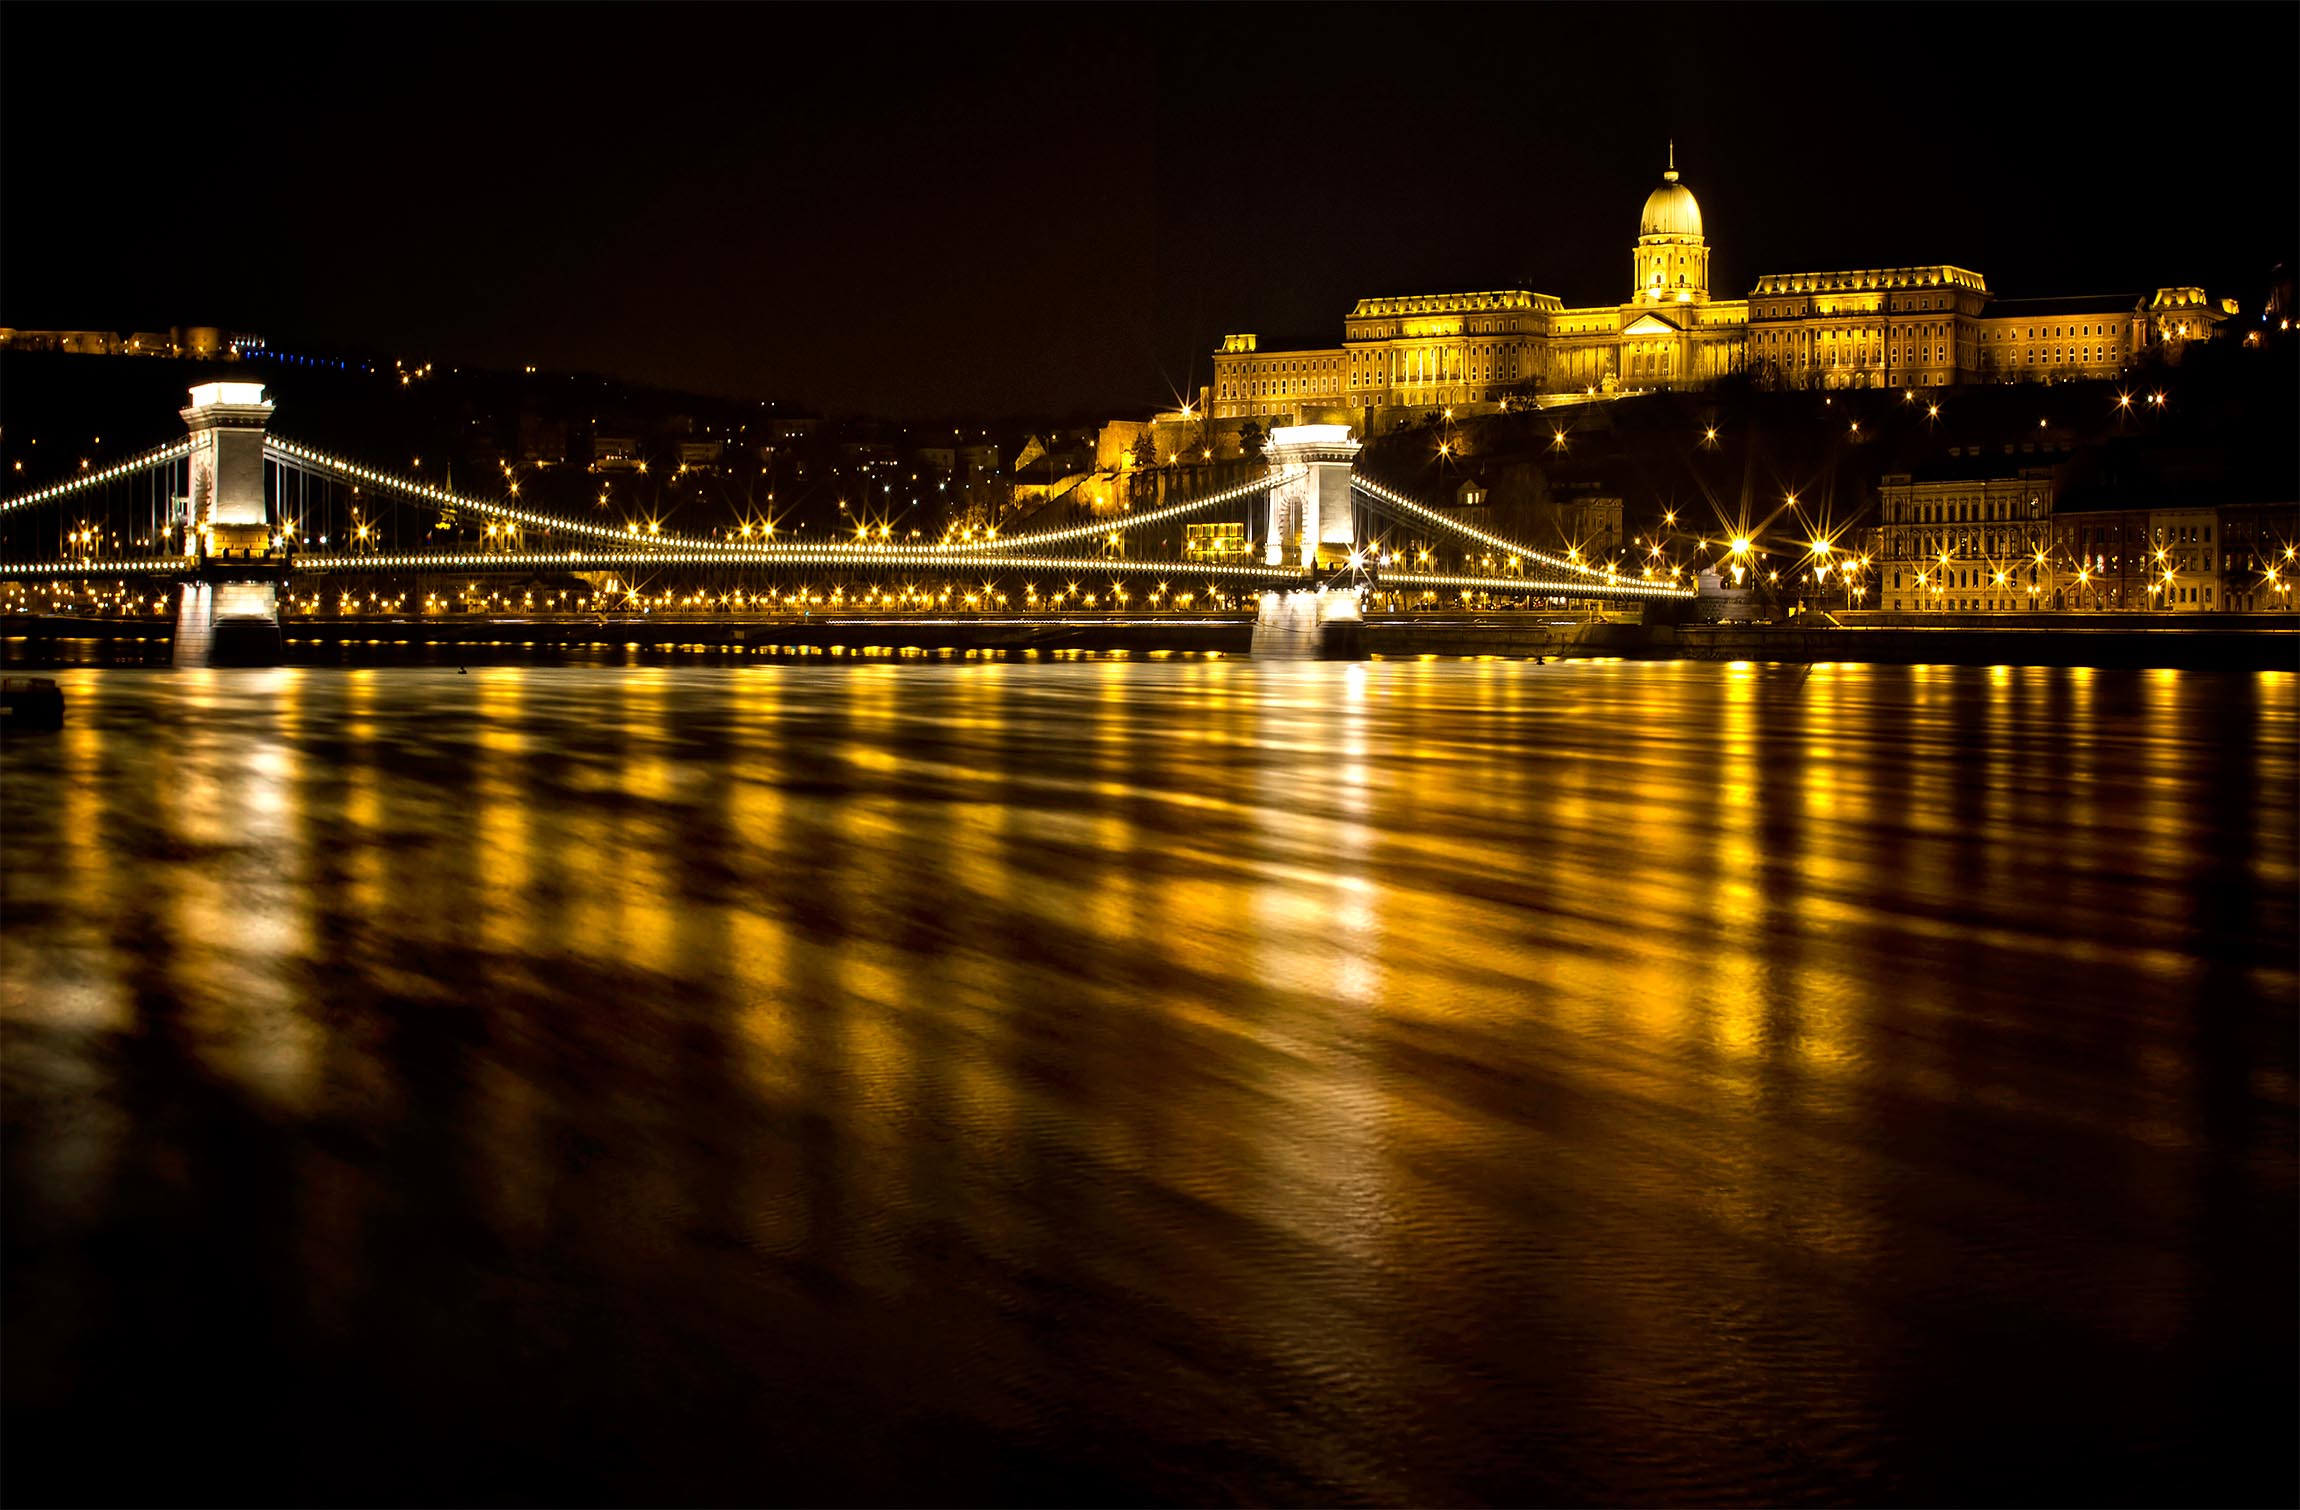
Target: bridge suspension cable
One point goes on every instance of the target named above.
(844, 558)
(91, 568)
(1423, 514)
(173, 451)
(289, 453)
(950, 561)
(1582, 587)
(1106, 528)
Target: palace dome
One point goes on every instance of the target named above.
(1671, 209)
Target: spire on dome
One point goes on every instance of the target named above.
(1671, 175)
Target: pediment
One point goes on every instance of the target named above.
(1650, 325)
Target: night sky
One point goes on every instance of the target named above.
(913, 212)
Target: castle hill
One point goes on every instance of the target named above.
(1074, 758)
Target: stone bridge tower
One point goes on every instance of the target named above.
(1310, 521)
(230, 613)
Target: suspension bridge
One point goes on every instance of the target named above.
(231, 528)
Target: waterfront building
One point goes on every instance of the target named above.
(2104, 557)
(1954, 542)
(1926, 326)
(2228, 558)
(2184, 559)
(2259, 551)
(1967, 542)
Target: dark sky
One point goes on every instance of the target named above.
(912, 211)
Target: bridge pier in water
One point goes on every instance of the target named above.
(1312, 525)
(228, 615)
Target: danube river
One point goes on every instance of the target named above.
(1183, 1080)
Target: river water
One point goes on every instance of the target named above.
(1182, 1080)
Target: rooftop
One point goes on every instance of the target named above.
(1937, 275)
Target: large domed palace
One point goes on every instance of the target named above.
(1880, 327)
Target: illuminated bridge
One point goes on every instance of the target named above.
(232, 528)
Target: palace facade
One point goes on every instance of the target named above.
(1893, 327)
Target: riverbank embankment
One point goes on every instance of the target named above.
(2203, 642)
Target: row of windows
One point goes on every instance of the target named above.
(1327, 365)
(2063, 356)
(2065, 332)
(2002, 605)
(1900, 547)
(1964, 512)
(1779, 337)
(1392, 332)
(1281, 387)
(1951, 579)
(1791, 312)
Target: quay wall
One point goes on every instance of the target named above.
(2230, 642)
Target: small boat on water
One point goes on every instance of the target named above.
(31, 702)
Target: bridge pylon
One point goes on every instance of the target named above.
(228, 614)
(1310, 523)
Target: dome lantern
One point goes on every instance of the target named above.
(1671, 209)
(1671, 259)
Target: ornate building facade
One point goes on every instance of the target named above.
(1896, 327)
(1981, 539)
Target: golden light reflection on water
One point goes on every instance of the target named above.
(505, 817)
(1446, 999)
(236, 922)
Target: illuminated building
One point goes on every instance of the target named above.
(1972, 545)
(1891, 327)
(1954, 544)
(1221, 541)
(201, 342)
(2229, 558)
(615, 453)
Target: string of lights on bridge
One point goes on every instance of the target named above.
(173, 451)
(954, 560)
(1153, 516)
(173, 564)
(1605, 587)
(1429, 515)
(290, 453)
